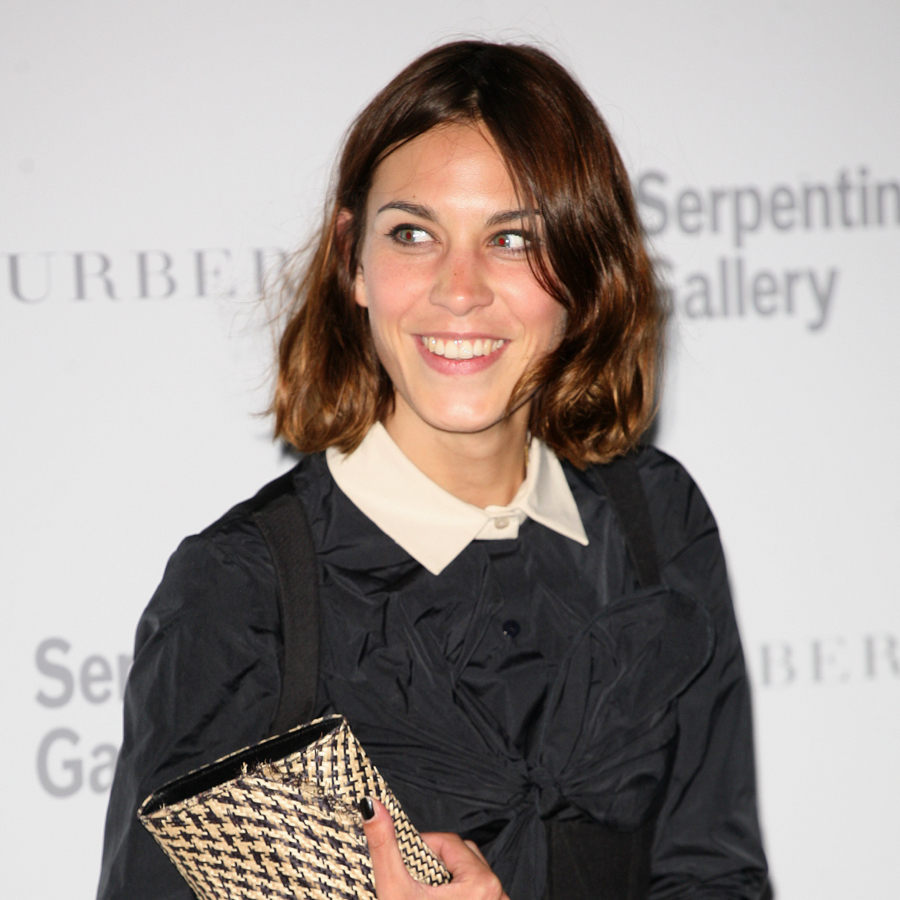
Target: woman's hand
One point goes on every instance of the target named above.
(472, 876)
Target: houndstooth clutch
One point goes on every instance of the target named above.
(280, 820)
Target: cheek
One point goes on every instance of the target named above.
(543, 317)
(390, 290)
(383, 296)
(560, 322)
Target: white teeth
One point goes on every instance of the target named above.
(461, 348)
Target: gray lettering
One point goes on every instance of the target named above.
(698, 303)
(723, 284)
(654, 224)
(262, 267)
(715, 196)
(739, 284)
(15, 279)
(863, 195)
(145, 273)
(828, 660)
(207, 272)
(124, 667)
(743, 225)
(51, 670)
(790, 279)
(883, 188)
(783, 201)
(690, 210)
(95, 670)
(82, 275)
(884, 647)
(73, 766)
(843, 188)
(763, 285)
(663, 272)
(777, 665)
(816, 190)
(824, 295)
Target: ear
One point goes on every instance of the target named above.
(344, 221)
(359, 288)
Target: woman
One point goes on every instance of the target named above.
(475, 335)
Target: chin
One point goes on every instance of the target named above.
(470, 423)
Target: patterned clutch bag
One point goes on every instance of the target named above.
(280, 820)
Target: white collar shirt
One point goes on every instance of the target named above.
(433, 525)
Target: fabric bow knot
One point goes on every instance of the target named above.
(544, 791)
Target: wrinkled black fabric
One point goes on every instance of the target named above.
(602, 703)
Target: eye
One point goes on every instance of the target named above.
(409, 234)
(514, 241)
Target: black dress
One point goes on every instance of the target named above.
(530, 681)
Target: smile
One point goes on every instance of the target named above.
(462, 348)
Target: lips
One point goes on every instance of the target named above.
(461, 348)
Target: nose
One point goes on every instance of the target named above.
(460, 284)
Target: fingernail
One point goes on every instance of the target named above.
(367, 808)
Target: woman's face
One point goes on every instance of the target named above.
(456, 313)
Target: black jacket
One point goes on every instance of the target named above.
(530, 682)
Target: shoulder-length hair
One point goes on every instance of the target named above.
(594, 396)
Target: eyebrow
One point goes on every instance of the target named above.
(416, 209)
(512, 215)
(427, 213)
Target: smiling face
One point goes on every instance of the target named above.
(456, 312)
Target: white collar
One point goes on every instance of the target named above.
(432, 525)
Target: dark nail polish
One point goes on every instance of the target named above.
(367, 808)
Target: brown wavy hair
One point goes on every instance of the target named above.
(594, 396)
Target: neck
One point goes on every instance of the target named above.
(484, 468)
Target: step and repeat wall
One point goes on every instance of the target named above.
(158, 162)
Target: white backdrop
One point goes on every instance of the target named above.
(156, 157)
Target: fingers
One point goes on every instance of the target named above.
(473, 878)
(476, 850)
(392, 881)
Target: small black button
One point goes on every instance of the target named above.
(511, 628)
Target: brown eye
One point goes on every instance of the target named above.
(509, 240)
(409, 234)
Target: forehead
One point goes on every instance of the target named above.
(458, 164)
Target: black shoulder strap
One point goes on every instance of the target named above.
(285, 527)
(626, 493)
